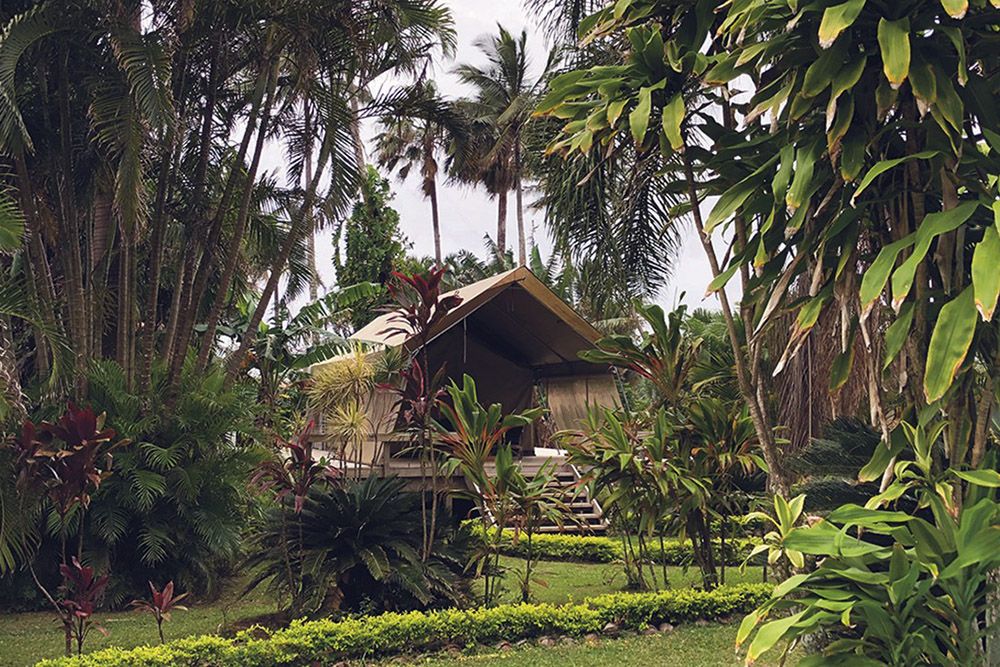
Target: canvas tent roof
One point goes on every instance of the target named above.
(514, 314)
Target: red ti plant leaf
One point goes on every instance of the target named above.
(81, 592)
(295, 473)
(160, 604)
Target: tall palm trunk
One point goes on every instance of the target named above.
(236, 241)
(776, 479)
(307, 173)
(73, 272)
(199, 283)
(502, 224)
(298, 225)
(522, 252)
(435, 220)
(12, 410)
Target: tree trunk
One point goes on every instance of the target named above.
(777, 481)
(70, 232)
(522, 253)
(199, 282)
(298, 224)
(502, 225)
(435, 221)
(307, 174)
(236, 241)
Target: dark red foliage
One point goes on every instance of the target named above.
(82, 590)
(294, 474)
(161, 602)
(419, 309)
(67, 460)
(419, 305)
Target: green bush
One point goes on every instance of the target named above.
(327, 641)
(597, 549)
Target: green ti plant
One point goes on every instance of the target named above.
(473, 434)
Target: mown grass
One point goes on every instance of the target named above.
(29, 637)
(687, 646)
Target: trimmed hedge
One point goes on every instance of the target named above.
(327, 641)
(599, 549)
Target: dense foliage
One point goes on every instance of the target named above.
(855, 177)
(356, 547)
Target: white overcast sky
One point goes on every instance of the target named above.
(468, 213)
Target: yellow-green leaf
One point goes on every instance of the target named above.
(932, 226)
(877, 274)
(820, 73)
(615, 108)
(836, 19)
(720, 280)
(894, 43)
(986, 267)
(884, 166)
(673, 116)
(949, 344)
(638, 120)
(805, 164)
(895, 335)
(770, 634)
(956, 8)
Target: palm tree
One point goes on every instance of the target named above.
(500, 111)
(418, 140)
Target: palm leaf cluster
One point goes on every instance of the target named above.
(359, 547)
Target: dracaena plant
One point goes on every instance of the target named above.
(63, 464)
(295, 473)
(417, 312)
(470, 434)
(160, 604)
(892, 587)
(81, 591)
(291, 478)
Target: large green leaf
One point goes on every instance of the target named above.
(949, 343)
(987, 478)
(877, 274)
(638, 120)
(986, 267)
(836, 19)
(895, 335)
(673, 116)
(885, 165)
(820, 73)
(894, 43)
(11, 225)
(734, 197)
(770, 634)
(932, 226)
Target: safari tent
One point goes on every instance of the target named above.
(517, 339)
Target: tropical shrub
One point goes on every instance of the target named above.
(355, 546)
(894, 588)
(470, 434)
(326, 641)
(80, 594)
(179, 500)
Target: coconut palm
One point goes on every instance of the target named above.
(417, 141)
(500, 111)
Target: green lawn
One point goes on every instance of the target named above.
(687, 646)
(572, 582)
(26, 638)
